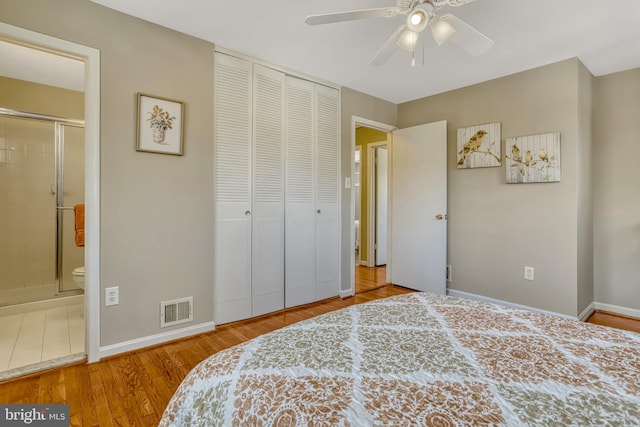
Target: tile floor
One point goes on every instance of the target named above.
(41, 335)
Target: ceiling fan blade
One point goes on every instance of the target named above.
(387, 49)
(329, 18)
(467, 37)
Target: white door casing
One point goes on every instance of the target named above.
(418, 198)
(381, 206)
(91, 58)
(372, 149)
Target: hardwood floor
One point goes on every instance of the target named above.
(368, 278)
(605, 318)
(134, 388)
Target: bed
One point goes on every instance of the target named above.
(419, 359)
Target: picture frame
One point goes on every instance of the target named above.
(533, 158)
(479, 146)
(160, 125)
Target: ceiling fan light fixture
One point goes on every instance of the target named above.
(417, 20)
(408, 40)
(441, 30)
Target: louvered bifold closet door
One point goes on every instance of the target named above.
(300, 228)
(233, 79)
(267, 272)
(327, 158)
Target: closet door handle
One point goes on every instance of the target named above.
(319, 211)
(247, 213)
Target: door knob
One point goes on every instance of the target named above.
(247, 213)
(319, 211)
(440, 217)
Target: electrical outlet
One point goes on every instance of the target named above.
(111, 296)
(449, 272)
(528, 272)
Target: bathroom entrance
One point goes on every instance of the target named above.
(42, 320)
(42, 193)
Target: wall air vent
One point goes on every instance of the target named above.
(176, 312)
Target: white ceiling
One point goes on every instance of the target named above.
(32, 65)
(604, 34)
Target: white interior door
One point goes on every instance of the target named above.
(300, 213)
(232, 189)
(327, 156)
(418, 207)
(381, 206)
(267, 234)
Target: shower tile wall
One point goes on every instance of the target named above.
(27, 207)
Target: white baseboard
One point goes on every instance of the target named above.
(587, 312)
(624, 311)
(345, 293)
(138, 343)
(468, 295)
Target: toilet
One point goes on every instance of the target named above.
(78, 276)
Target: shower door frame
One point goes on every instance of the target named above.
(58, 124)
(60, 208)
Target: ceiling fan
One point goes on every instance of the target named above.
(420, 15)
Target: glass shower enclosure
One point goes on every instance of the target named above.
(41, 180)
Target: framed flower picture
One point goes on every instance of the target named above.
(160, 125)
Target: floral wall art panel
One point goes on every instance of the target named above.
(533, 158)
(479, 146)
(160, 125)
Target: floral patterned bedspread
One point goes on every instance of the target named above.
(419, 359)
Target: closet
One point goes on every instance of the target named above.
(276, 184)
(312, 192)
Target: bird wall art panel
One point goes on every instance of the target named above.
(479, 146)
(533, 158)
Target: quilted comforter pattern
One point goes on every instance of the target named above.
(419, 359)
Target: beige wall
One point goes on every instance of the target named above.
(358, 104)
(616, 189)
(495, 229)
(156, 226)
(585, 188)
(36, 98)
(365, 136)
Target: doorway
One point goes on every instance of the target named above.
(82, 145)
(357, 194)
(370, 205)
(378, 202)
(416, 216)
